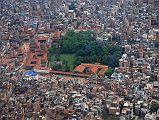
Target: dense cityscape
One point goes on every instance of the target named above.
(79, 59)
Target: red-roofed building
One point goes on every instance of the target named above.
(36, 59)
(92, 69)
(56, 36)
(37, 55)
(102, 72)
(79, 68)
(42, 39)
(69, 73)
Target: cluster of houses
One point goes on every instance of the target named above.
(29, 27)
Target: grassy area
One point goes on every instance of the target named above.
(53, 58)
(70, 59)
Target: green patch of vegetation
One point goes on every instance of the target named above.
(43, 63)
(68, 59)
(53, 58)
(82, 47)
(64, 62)
(42, 48)
(110, 72)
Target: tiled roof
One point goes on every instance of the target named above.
(94, 70)
(69, 73)
(41, 38)
(57, 34)
(79, 68)
(93, 67)
(102, 72)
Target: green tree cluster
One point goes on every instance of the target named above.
(88, 50)
(110, 72)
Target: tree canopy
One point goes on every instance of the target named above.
(87, 49)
